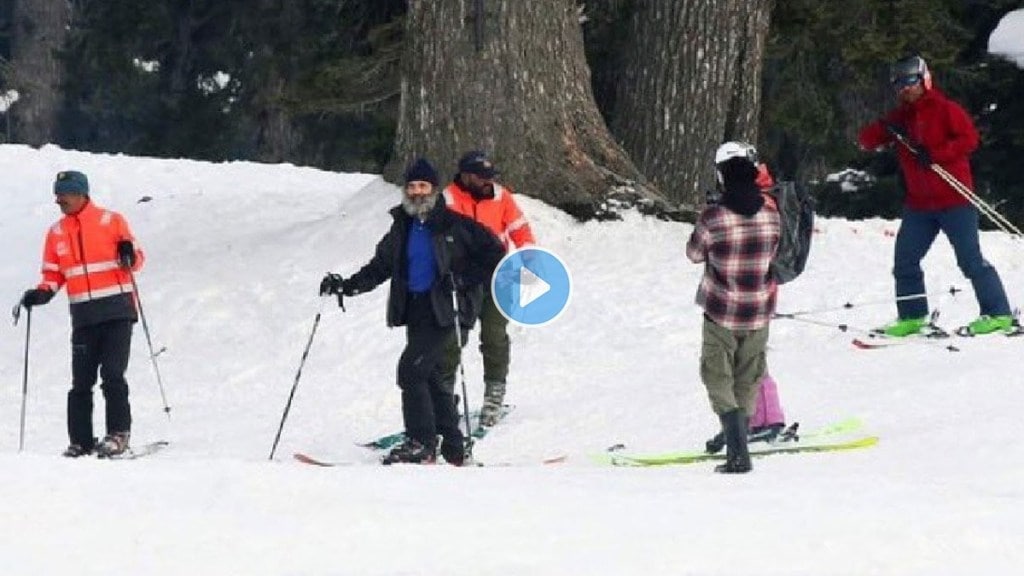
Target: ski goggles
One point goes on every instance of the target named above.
(901, 82)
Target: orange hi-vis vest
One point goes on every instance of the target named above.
(499, 214)
(81, 252)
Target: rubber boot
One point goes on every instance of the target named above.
(737, 456)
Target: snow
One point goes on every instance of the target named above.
(8, 98)
(235, 252)
(850, 180)
(1008, 37)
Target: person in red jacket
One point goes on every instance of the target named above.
(475, 193)
(92, 252)
(941, 133)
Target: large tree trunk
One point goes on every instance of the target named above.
(692, 79)
(40, 28)
(277, 139)
(510, 77)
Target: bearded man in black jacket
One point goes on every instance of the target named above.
(428, 252)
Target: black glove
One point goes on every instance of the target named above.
(36, 297)
(923, 157)
(125, 254)
(331, 284)
(895, 129)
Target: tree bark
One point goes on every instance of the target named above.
(277, 138)
(692, 80)
(512, 80)
(39, 31)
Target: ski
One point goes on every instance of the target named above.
(880, 341)
(817, 437)
(548, 461)
(307, 459)
(679, 459)
(384, 442)
(391, 440)
(134, 453)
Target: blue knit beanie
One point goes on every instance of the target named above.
(421, 169)
(71, 182)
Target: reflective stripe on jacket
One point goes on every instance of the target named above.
(81, 253)
(500, 214)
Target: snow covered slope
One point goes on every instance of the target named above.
(235, 254)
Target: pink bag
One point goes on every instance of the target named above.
(769, 410)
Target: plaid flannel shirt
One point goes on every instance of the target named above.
(737, 291)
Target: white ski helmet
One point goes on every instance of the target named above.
(736, 150)
(731, 150)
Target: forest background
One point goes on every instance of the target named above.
(579, 102)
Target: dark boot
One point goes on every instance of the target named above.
(453, 449)
(737, 457)
(715, 444)
(768, 433)
(411, 451)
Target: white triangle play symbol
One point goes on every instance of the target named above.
(531, 287)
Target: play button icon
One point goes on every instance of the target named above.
(531, 287)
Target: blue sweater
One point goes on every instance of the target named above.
(420, 255)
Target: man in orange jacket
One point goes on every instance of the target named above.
(92, 251)
(474, 193)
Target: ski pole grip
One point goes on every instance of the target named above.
(899, 135)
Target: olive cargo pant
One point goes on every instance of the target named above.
(732, 363)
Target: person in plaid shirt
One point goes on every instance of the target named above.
(736, 239)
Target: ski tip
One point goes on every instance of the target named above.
(307, 459)
(865, 345)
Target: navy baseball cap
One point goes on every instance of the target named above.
(477, 162)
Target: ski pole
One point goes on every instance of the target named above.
(952, 290)
(24, 377)
(298, 374)
(843, 327)
(462, 370)
(991, 213)
(985, 208)
(149, 343)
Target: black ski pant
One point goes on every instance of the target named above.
(104, 349)
(428, 400)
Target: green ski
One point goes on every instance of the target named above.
(617, 459)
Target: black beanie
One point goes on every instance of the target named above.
(421, 169)
(739, 182)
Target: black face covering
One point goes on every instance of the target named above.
(740, 191)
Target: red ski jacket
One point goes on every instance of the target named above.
(946, 131)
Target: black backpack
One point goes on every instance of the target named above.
(796, 219)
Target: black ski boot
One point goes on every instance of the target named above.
(767, 433)
(411, 451)
(737, 457)
(453, 449)
(76, 451)
(114, 445)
